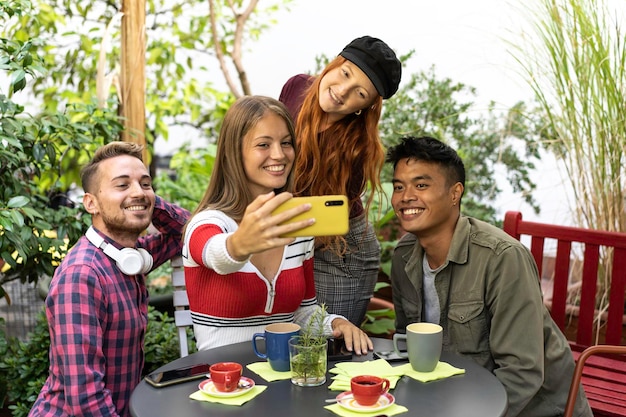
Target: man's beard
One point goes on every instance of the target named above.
(118, 225)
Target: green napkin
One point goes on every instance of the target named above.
(238, 400)
(378, 367)
(391, 411)
(346, 370)
(442, 370)
(265, 371)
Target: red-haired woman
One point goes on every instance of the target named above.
(340, 152)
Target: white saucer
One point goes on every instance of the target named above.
(347, 401)
(245, 385)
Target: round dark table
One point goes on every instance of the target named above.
(476, 393)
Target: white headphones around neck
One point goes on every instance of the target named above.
(130, 261)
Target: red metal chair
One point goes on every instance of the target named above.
(612, 380)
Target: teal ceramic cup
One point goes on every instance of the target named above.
(423, 341)
(276, 337)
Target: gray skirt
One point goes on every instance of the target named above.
(346, 284)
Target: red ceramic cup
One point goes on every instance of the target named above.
(367, 389)
(225, 375)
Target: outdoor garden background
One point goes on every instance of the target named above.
(73, 76)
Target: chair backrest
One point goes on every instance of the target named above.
(182, 315)
(591, 242)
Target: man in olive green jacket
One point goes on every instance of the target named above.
(477, 282)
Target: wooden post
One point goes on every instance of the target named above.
(133, 82)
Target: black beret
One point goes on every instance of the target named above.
(378, 61)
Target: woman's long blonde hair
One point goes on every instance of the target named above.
(228, 189)
(327, 160)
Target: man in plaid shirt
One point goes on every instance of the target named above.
(97, 314)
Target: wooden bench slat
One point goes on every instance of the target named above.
(614, 362)
(604, 409)
(598, 396)
(615, 366)
(180, 299)
(178, 277)
(587, 304)
(615, 321)
(605, 402)
(605, 382)
(536, 248)
(612, 381)
(561, 281)
(604, 362)
(183, 318)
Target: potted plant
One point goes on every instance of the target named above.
(307, 352)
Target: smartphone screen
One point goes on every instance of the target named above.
(389, 356)
(337, 351)
(174, 376)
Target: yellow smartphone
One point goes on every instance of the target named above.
(329, 211)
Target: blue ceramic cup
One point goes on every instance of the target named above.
(276, 337)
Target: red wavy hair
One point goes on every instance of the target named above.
(343, 159)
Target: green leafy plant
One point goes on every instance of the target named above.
(191, 173)
(380, 322)
(161, 342)
(308, 365)
(24, 365)
(39, 157)
(312, 334)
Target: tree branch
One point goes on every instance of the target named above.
(241, 20)
(218, 50)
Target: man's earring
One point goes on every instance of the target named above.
(358, 112)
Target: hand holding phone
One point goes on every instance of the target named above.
(178, 375)
(330, 213)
